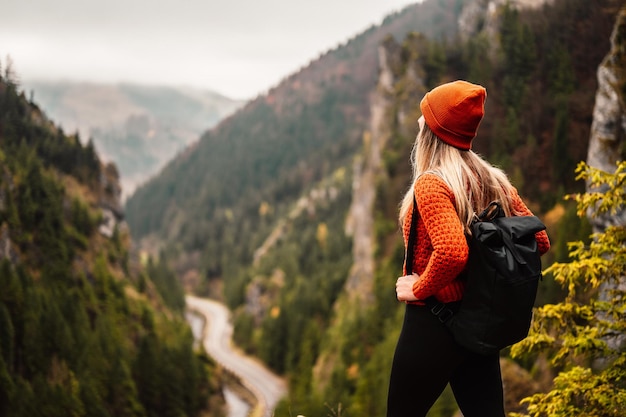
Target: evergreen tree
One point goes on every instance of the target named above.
(70, 324)
(479, 62)
(7, 350)
(518, 48)
(166, 283)
(435, 63)
(583, 335)
(562, 162)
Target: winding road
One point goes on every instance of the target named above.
(267, 387)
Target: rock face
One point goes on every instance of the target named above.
(360, 223)
(607, 142)
(483, 16)
(608, 129)
(110, 200)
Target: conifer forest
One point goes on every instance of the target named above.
(287, 213)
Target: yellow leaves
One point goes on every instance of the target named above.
(564, 329)
(322, 235)
(564, 313)
(602, 260)
(586, 273)
(581, 341)
(579, 392)
(536, 341)
(264, 209)
(584, 326)
(611, 188)
(353, 371)
(339, 176)
(567, 329)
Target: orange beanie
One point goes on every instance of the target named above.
(453, 112)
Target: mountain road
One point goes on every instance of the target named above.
(267, 387)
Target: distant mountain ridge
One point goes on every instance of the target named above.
(277, 145)
(85, 329)
(138, 127)
(311, 296)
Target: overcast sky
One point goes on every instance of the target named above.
(239, 48)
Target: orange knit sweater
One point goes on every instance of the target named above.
(441, 251)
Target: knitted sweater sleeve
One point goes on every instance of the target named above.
(435, 202)
(543, 242)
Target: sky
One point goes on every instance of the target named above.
(239, 48)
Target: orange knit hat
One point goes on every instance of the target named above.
(453, 112)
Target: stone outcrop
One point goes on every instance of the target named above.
(608, 129)
(360, 222)
(110, 197)
(607, 142)
(483, 17)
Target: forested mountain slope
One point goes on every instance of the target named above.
(261, 211)
(271, 151)
(139, 128)
(538, 115)
(84, 329)
(540, 74)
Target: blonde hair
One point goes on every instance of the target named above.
(473, 181)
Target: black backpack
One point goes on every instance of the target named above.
(503, 272)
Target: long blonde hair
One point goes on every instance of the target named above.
(474, 182)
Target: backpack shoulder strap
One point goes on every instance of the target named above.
(408, 256)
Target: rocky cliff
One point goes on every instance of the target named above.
(367, 166)
(484, 16)
(607, 142)
(83, 325)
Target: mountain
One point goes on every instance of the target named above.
(137, 127)
(272, 150)
(85, 329)
(287, 210)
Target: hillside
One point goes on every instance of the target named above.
(271, 151)
(139, 128)
(85, 330)
(287, 210)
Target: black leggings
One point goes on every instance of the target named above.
(427, 358)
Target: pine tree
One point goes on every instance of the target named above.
(145, 371)
(562, 163)
(7, 334)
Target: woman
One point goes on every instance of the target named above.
(450, 184)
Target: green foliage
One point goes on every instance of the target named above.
(561, 162)
(524, 88)
(583, 336)
(480, 67)
(561, 75)
(278, 145)
(581, 392)
(613, 191)
(519, 50)
(299, 281)
(70, 333)
(167, 284)
(283, 144)
(435, 64)
(51, 145)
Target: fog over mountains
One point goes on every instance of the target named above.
(138, 127)
(239, 48)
